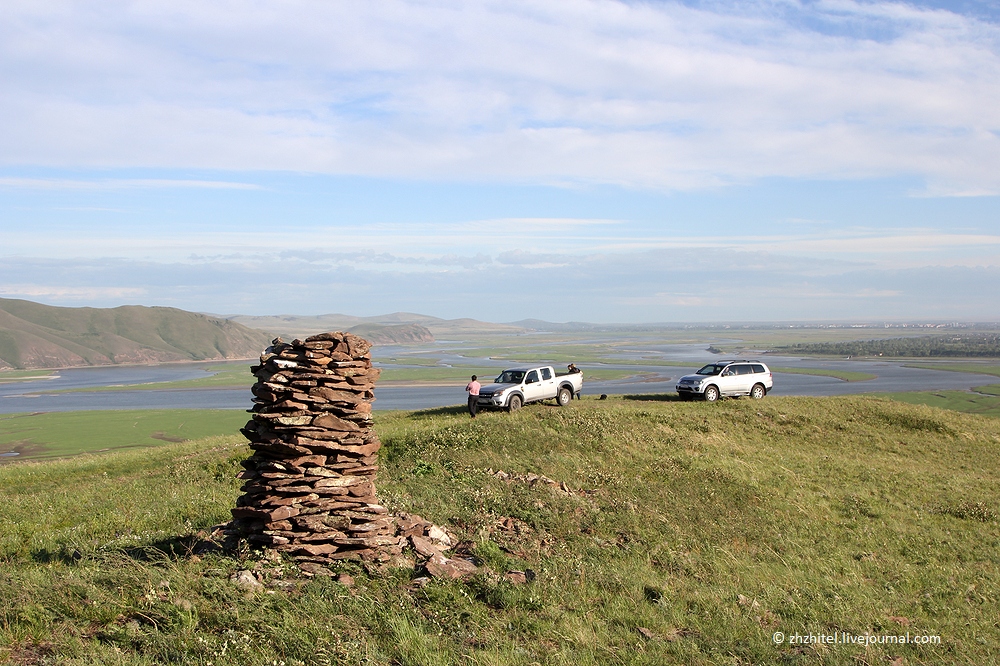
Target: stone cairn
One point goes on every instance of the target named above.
(309, 486)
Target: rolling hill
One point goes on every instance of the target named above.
(291, 326)
(648, 531)
(400, 334)
(34, 336)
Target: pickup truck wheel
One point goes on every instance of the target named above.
(758, 391)
(564, 397)
(711, 394)
(514, 404)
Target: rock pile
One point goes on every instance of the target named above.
(309, 486)
(430, 544)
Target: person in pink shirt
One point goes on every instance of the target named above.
(473, 389)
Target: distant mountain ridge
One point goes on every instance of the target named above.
(292, 326)
(34, 336)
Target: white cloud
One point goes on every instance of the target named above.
(676, 285)
(528, 242)
(881, 243)
(70, 293)
(534, 224)
(119, 184)
(667, 299)
(637, 94)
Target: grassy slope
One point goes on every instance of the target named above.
(709, 525)
(33, 335)
(393, 334)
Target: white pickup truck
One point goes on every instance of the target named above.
(519, 386)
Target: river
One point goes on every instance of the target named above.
(39, 395)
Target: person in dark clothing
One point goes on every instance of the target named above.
(571, 369)
(473, 389)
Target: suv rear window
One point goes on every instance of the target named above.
(758, 368)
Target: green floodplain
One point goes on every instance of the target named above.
(427, 364)
(984, 400)
(455, 361)
(845, 375)
(594, 350)
(689, 533)
(238, 376)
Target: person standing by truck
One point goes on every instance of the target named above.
(571, 369)
(473, 389)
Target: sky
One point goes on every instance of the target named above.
(565, 160)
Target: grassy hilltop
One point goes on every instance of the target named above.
(33, 335)
(690, 534)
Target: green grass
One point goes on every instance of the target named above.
(223, 376)
(652, 362)
(954, 344)
(417, 375)
(421, 360)
(971, 402)
(710, 526)
(846, 375)
(554, 353)
(7, 376)
(588, 362)
(53, 434)
(238, 376)
(605, 374)
(435, 374)
(977, 368)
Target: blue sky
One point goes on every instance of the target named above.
(565, 160)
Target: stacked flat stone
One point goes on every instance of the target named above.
(309, 486)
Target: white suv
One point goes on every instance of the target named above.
(727, 378)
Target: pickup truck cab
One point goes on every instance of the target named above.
(519, 386)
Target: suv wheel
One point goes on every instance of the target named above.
(758, 391)
(711, 394)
